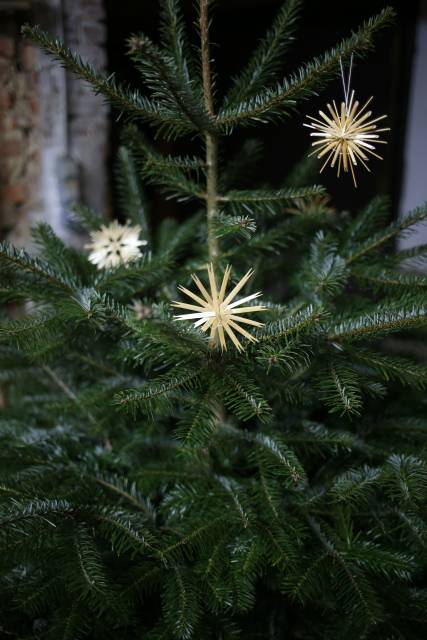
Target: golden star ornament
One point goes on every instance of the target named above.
(347, 135)
(218, 312)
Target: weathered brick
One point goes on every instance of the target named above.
(21, 120)
(7, 174)
(21, 85)
(33, 102)
(14, 193)
(34, 156)
(13, 147)
(10, 171)
(6, 99)
(28, 95)
(6, 122)
(7, 46)
(5, 68)
(28, 57)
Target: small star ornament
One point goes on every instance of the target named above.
(347, 135)
(115, 244)
(218, 312)
(141, 310)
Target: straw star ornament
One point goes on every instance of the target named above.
(218, 312)
(347, 135)
(115, 244)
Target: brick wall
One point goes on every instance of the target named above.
(19, 129)
(53, 130)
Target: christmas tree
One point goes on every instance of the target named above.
(182, 457)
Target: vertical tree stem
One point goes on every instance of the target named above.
(212, 195)
(211, 140)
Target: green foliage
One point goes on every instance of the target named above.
(200, 419)
(266, 62)
(158, 390)
(272, 103)
(30, 275)
(125, 100)
(130, 195)
(325, 273)
(175, 176)
(241, 226)
(242, 395)
(152, 486)
(169, 85)
(87, 218)
(338, 385)
(379, 323)
(35, 334)
(363, 249)
(262, 202)
(174, 37)
(393, 367)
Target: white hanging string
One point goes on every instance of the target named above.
(346, 83)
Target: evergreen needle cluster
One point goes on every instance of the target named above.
(154, 487)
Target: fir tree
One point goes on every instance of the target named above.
(153, 486)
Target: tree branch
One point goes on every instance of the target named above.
(211, 140)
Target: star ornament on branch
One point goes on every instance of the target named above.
(115, 244)
(347, 135)
(216, 311)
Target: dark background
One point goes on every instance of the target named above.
(237, 26)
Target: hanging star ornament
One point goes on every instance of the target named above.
(347, 135)
(217, 311)
(115, 244)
